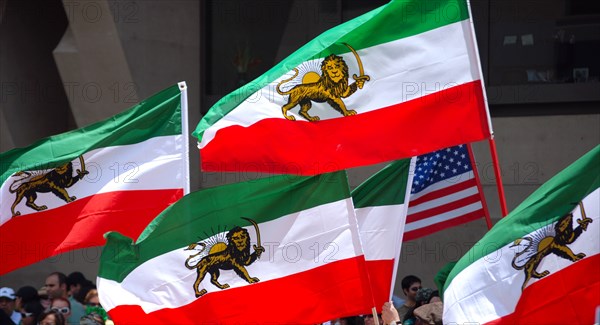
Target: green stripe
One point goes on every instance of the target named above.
(158, 115)
(553, 199)
(395, 20)
(205, 213)
(386, 187)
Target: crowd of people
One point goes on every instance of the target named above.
(73, 300)
(422, 306)
(63, 300)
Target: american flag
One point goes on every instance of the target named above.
(444, 193)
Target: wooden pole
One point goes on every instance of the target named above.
(375, 317)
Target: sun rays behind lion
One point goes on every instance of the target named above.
(309, 71)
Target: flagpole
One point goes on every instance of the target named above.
(489, 119)
(375, 317)
(400, 235)
(353, 222)
(185, 131)
(486, 212)
(498, 175)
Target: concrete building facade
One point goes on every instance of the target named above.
(65, 64)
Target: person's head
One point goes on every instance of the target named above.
(423, 296)
(56, 285)
(369, 320)
(24, 295)
(30, 312)
(435, 297)
(80, 296)
(92, 319)
(75, 281)
(339, 321)
(351, 320)
(51, 317)
(92, 299)
(61, 305)
(7, 300)
(410, 285)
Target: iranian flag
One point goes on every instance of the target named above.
(397, 82)
(541, 263)
(277, 250)
(64, 192)
(380, 206)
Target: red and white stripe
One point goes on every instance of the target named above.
(489, 290)
(443, 205)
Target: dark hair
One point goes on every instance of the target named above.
(435, 293)
(409, 280)
(60, 319)
(80, 296)
(423, 296)
(62, 278)
(76, 278)
(34, 307)
(27, 293)
(354, 320)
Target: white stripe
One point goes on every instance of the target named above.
(443, 184)
(442, 200)
(149, 165)
(456, 213)
(294, 243)
(379, 227)
(490, 287)
(400, 71)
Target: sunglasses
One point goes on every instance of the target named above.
(93, 304)
(63, 310)
(26, 315)
(415, 289)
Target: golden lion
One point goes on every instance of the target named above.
(55, 181)
(565, 234)
(331, 87)
(234, 257)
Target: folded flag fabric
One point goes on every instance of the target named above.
(278, 250)
(444, 193)
(380, 206)
(399, 81)
(64, 192)
(539, 264)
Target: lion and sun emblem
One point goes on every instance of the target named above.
(327, 82)
(552, 239)
(27, 184)
(230, 251)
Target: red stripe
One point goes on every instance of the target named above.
(569, 296)
(443, 208)
(82, 223)
(380, 277)
(315, 296)
(422, 232)
(443, 192)
(452, 116)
